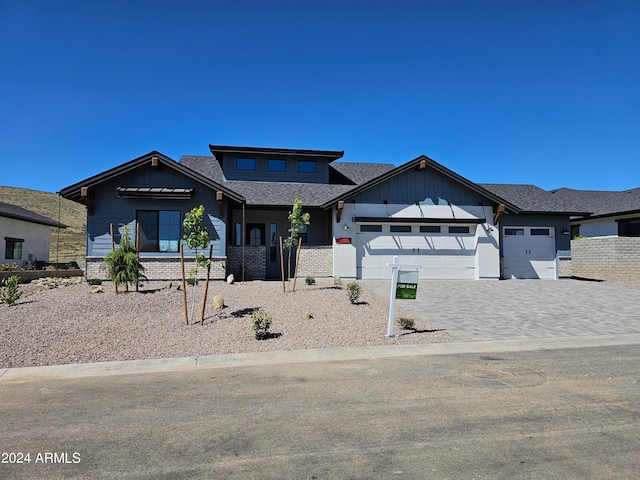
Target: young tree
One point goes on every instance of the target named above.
(297, 220)
(197, 238)
(123, 264)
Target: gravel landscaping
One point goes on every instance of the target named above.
(69, 324)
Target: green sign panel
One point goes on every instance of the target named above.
(407, 285)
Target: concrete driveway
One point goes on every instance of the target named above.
(511, 309)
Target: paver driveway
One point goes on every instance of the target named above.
(509, 309)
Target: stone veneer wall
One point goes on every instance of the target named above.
(564, 267)
(162, 268)
(605, 255)
(255, 261)
(316, 261)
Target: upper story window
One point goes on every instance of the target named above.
(307, 166)
(276, 165)
(245, 163)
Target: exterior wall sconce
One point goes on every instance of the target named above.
(346, 227)
(565, 232)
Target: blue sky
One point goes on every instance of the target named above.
(541, 92)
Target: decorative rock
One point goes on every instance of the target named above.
(230, 279)
(218, 302)
(97, 289)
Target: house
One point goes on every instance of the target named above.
(26, 235)
(362, 214)
(608, 240)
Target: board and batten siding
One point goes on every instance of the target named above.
(109, 209)
(427, 186)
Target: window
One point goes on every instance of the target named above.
(540, 231)
(245, 163)
(429, 228)
(575, 231)
(276, 165)
(370, 228)
(307, 166)
(13, 248)
(458, 229)
(238, 239)
(400, 228)
(255, 234)
(513, 231)
(159, 230)
(303, 234)
(629, 227)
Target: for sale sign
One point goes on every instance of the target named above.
(407, 286)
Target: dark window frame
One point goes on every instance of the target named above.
(629, 227)
(249, 229)
(309, 163)
(240, 160)
(460, 229)
(400, 228)
(538, 232)
(10, 250)
(430, 229)
(153, 245)
(370, 228)
(272, 162)
(508, 232)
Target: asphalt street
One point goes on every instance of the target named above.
(559, 413)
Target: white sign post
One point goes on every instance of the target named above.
(394, 286)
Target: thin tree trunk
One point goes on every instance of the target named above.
(295, 271)
(282, 263)
(184, 286)
(206, 286)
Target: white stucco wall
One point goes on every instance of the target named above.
(599, 227)
(487, 235)
(36, 237)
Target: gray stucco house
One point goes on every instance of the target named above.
(26, 235)
(362, 214)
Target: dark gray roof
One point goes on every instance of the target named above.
(284, 193)
(205, 165)
(19, 213)
(356, 173)
(602, 203)
(532, 199)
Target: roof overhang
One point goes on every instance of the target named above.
(284, 152)
(439, 221)
(583, 217)
(166, 193)
(25, 218)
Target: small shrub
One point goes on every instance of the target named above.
(260, 323)
(310, 280)
(192, 281)
(308, 315)
(10, 267)
(337, 280)
(406, 323)
(94, 281)
(354, 290)
(11, 291)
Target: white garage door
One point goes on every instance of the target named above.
(529, 252)
(444, 251)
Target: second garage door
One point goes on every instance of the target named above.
(444, 251)
(529, 252)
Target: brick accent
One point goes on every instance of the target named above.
(605, 255)
(162, 268)
(564, 267)
(255, 261)
(316, 261)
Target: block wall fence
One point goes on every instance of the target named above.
(591, 256)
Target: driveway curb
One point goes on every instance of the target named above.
(304, 356)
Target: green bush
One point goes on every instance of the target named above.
(354, 290)
(260, 323)
(406, 323)
(310, 280)
(10, 293)
(94, 281)
(337, 280)
(123, 265)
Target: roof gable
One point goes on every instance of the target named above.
(74, 192)
(420, 164)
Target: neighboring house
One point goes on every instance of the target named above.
(614, 214)
(608, 241)
(362, 215)
(26, 235)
